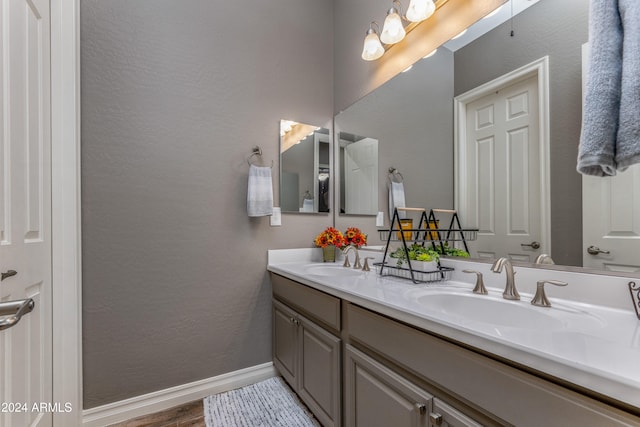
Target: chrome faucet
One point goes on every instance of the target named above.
(544, 259)
(356, 263)
(510, 291)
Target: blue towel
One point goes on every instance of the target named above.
(628, 146)
(611, 118)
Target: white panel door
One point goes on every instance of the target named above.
(503, 173)
(611, 221)
(361, 176)
(25, 211)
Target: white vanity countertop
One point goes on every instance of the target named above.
(601, 353)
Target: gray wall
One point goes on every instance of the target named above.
(557, 29)
(174, 96)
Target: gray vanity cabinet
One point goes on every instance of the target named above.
(285, 342)
(375, 396)
(395, 374)
(306, 346)
(444, 415)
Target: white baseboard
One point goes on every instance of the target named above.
(164, 399)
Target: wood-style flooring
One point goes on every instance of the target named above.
(187, 415)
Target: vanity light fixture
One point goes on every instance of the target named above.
(292, 133)
(392, 29)
(419, 10)
(372, 48)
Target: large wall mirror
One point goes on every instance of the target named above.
(305, 158)
(412, 117)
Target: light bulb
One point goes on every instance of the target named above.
(495, 12)
(460, 34)
(392, 30)
(419, 10)
(372, 48)
(430, 54)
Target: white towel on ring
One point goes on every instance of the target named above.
(260, 191)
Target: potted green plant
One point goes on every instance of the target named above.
(446, 250)
(422, 258)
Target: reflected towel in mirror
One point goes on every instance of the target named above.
(396, 199)
(260, 191)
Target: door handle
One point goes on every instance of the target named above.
(532, 245)
(594, 250)
(8, 274)
(12, 311)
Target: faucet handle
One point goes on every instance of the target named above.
(540, 298)
(346, 264)
(479, 289)
(356, 263)
(366, 263)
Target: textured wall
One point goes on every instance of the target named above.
(557, 29)
(174, 96)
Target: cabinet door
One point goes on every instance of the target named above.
(444, 415)
(319, 381)
(285, 342)
(376, 396)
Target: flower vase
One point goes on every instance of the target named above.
(329, 253)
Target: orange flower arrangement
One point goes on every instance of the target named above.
(355, 237)
(330, 236)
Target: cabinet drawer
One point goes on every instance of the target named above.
(375, 396)
(315, 304)
(469, 375)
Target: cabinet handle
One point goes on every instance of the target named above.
(435, 418)
(421, 407)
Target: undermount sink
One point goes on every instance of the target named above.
(335, 270)
(493, 310)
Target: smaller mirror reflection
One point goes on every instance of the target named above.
(304, 167)
(358, 174)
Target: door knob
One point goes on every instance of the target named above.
(12, 311)
(532, 245)
(7, 274)
(594, 250)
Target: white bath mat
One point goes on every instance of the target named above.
(269, 403)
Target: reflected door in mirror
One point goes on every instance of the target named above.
(502, 179)
(359, 174)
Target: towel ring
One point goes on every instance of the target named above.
(257, 151)
(395, 176)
